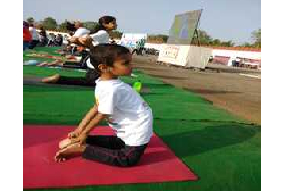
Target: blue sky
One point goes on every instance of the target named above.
(223, 19)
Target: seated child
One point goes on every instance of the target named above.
(116, 102)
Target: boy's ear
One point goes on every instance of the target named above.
(102, 67)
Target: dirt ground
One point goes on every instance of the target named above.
(226, 88)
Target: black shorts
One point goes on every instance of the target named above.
(111, 150)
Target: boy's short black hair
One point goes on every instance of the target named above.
(106, 54)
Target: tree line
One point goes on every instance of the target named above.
(50, 23)
(205, 39)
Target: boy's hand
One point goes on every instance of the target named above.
(80, 139)
(74, 134)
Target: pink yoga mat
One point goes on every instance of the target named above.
(158, 164)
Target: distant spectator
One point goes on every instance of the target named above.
(210, 59)
(58, 40)
(237, 62)
(43, 37)
(26, 36)
(65, 40)
(51, 40)
(35, 36)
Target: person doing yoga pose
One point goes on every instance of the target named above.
(122, 107)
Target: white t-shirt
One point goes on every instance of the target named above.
(34, 34)
(129, 115)
(100, 37)
(81, 31)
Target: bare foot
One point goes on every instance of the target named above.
(72, 150)
(43, 64)
(54, 63)
(64, 143)
(68, 141)
(51, 79)
(57, 62)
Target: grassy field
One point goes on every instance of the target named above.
(221, 149)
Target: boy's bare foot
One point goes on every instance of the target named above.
(51, 79)
(64, 143)
(70, 140)
(72, 150)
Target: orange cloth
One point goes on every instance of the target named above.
(80, 48)
(27, 35)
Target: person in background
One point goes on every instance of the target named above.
(81, 30)
(58, 40)
(35, 36)
(65, 40)
(43, 37)
(51, 40)
(26, 36)
(99, 36)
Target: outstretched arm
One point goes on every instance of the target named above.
(84, 41)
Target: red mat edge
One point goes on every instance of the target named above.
(197, 178)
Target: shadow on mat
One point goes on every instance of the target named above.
(211, 137)
(154, 158)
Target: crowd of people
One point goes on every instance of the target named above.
(32, 38)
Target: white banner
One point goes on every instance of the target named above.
(184, 55)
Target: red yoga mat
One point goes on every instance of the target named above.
(158, 164)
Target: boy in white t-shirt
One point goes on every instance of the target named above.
(126, 112)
